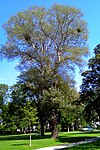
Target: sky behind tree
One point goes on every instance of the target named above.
(8, 8)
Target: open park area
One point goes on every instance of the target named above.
(21, 141)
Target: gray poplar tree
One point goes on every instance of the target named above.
(52, 41)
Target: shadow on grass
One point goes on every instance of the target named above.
(72, 137)
(88, 146)
(86, 132)
(23, 137)
(20, 144)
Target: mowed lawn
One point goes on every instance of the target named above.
(21, 142)
(89, 146)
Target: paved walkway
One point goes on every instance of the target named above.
(70, 145)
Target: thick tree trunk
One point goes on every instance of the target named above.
(54, 130)
(41, 118)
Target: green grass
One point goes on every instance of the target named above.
(21, 142)
(88, 146)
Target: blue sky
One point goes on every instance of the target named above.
(90, 9)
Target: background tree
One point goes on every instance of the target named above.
(90, 89)
(70, 111)
(9, 119)
(29, 117)
(3, 98)
(49, 41)
(19, 112)
(3, 94)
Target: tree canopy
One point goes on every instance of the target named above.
(43, 38)
(3, 94)
(90, 89)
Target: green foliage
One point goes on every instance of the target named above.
(70, 113)
(59, 127)
(46, 38)
(8, 120)
(20, 112)
(48, 43)
(29, 115)
(3, 94)
(90, 89)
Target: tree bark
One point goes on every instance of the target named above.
(42, 125)
(54, 130)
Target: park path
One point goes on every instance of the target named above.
(70, 145)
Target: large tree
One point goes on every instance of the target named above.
(90, 89)
(49, 41)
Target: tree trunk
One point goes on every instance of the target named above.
(22, 130)
(73, 127)
(68, 128)
(39, 108)
(42, 125)
(54, 130)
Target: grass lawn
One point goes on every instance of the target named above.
(21, 142)
(88, 146)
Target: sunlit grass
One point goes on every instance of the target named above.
(21, 142)
(88, 146)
